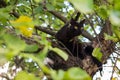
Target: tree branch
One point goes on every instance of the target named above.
(87, 35)
(45, 30)
(14, 13)
(58, 15)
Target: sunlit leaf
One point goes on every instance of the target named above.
(50, 7)
(57, 75)
(31, 48)
(60, 53)
(61, 74)
(14, 42)
(37, 60)
(43, 53)
(22, 75)
(115, 17)
(4, 14)
(14, 45)
(96, 53)
(117, 5)
(116, 30)
(24, 24)
(37, 1)
(117, 33)
(113, 38)
(76, 74)
(102, 12)
(85, 6)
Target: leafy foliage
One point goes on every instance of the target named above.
(20, 37)
(96, 53)
(25, 76)
(85, 6)
(24, 24)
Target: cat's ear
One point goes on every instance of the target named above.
(81, 23)
(77, 16)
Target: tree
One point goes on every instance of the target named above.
(35, 30)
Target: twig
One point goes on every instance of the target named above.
(15, 14)
(87, 35)
(45, 30)
(97, 37)
(91, 24)
(58, 15)
(114, 68)
(5, 76)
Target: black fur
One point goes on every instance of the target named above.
(66, 35)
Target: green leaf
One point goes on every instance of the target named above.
(57, 75)
(60, 75)
(85, 6)
(60, 53)
(14, 45)
(31, 48)
(116, 30)
(43, 53)
(37, 60)
(50, 7)
(96, 53)
(117, 5)
(76, 74)
(4, 14)
(115, 17)
(38, 1)
(22, 75)
(14, 42)
(108, 37)
(102, 11)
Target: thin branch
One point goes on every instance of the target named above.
(87, 35)
(97, 37)
(114, 68)
(4, 76)
(58, 15)
(45, 30)
(15, 14)
(84, 33)
(91, 24)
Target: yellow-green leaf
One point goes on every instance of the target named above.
(76, 74)
(96, 53)
(22, 75)
(14, 45)
(24, 24)
(115, 17)
(108, 37)
(85, 6)
(60, 53)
